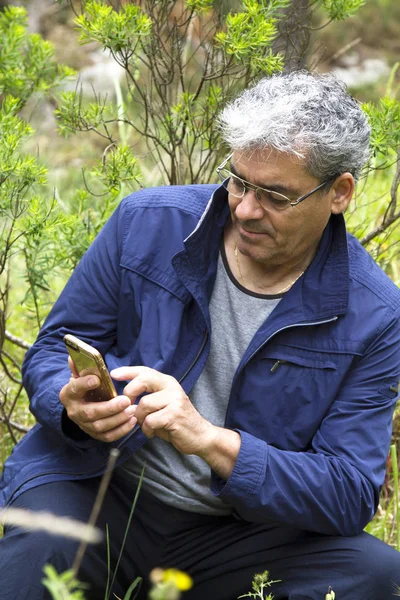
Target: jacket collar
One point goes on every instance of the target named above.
(324, 289)
(322, 292)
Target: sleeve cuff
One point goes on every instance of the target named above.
(60, 421)
(248, 473)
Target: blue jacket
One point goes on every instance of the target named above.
(312, 397)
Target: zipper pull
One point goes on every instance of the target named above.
(276, 365)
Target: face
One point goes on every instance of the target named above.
(277, 238)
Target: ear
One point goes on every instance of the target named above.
(341, 193)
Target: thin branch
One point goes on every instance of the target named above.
(390, 215)
(320, 26)
(6, 369)
(104, 483)
(16, 340)
(85, 183)
(393, 190)
(14, 425)
(345, 48)
(5, 419)
(32, 286)
(14, 402)
(380, 229)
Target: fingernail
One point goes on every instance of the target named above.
(91, 382)
(130, 410)
(124, 403)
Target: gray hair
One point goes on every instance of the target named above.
(308, 115)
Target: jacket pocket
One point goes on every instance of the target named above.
(284, 361)
(282, 358)
(296, 388)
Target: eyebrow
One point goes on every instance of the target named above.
(274, 188)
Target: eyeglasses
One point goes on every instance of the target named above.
(268, 199)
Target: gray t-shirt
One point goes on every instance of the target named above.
(183, 481)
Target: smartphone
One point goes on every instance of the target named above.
(88, 360)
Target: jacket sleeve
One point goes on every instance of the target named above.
(87, 307)
(334, 487)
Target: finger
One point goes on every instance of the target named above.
(130, 373)
(152, 383)
(102, 426)
(73, 368)
(151, 404)
(77, 387)
(75, 390)
(125, 373)
(171, 416)
(89, 412)
(143, 379)
(113, 434)
(159, 422)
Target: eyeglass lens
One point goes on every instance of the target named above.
(267, 198)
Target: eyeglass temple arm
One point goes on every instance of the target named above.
(321, 185)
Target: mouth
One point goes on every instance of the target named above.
(245, 233)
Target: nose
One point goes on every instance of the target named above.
(248, 207)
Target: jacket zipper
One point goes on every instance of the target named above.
(276, 365)
(195, 359)
(278, 362)
(134, 430)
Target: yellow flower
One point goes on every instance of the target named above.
(180, 579)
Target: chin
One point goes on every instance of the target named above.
(259, 256)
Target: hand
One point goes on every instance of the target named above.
(166, 411)
(105, 421)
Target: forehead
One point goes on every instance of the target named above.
(268, 161)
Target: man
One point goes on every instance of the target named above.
(256, 345)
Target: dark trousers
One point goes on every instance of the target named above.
(220, 553)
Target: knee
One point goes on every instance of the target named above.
(28, 550)
(23, 556)
(380, 566)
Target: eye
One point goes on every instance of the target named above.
(278, 200)
(236, 184)
(272, 199)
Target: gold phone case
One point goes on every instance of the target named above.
(88, 360)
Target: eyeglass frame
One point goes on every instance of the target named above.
(248, 185)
